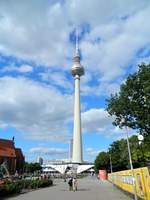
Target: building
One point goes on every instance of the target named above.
(66, 167)
(11, 156)
(19, 160)
(40, 160)
(7, 154)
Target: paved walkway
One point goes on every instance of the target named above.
(88, 189)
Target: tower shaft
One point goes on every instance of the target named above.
(77, 71)
(77, 138)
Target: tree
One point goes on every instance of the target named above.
(144, 154)
(132, 103)
(118, 151)
(32, 167)
(119, 155)
(102, 161)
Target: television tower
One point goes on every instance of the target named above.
(77, 71)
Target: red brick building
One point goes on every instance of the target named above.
(19, 160)
(13, 157)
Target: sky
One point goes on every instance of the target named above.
(37, 44)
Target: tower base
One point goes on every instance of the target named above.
(66, 167)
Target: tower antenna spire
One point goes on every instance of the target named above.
(77, 42)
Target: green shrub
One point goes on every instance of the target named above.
(45, 183)
(10, 188)
(16, 187)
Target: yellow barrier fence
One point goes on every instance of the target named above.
(124, 180)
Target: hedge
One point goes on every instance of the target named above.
(16, 187)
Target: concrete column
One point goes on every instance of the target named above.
(77, 138)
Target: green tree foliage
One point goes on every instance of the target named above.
(119, 155)
(32, 167)
(102, 161)
(132, 103)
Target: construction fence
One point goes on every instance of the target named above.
(125, 181)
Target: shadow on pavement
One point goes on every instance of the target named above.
(84, 189)
(81, 189)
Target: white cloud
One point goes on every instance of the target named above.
(101, 11)
(40, 112)
(100, 89)
(25, 69)
(120, 40)
(106, 89)
(96, 120)
(92, 152)
(143, 60)
(48, 151)
(58, 79)
(116, 133)
(42, 35)
(21, 69)
(34, 30)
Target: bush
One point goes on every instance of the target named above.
(25, 184)
(10, 188)
(17, 187)
(44, 183)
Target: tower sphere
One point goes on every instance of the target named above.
(77, 68)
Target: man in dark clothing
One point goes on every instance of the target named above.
(70, 183)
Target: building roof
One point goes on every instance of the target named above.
(7, 149)
(61, 168)
(7, 152)
(7, 143)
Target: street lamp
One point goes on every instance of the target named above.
(140, 139)
(130, 159)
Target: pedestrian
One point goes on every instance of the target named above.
(70, 183)
(75, 184)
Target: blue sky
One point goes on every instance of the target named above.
(36, 51)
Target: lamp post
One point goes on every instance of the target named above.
(130, 159)
(110, 163)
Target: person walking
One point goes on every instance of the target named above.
(70, 183)
(75, 184)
